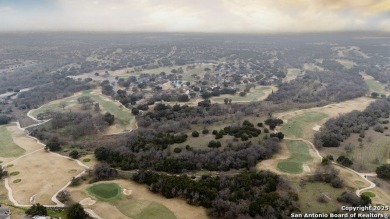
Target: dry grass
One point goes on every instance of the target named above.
(42, 174)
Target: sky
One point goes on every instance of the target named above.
(236, 16)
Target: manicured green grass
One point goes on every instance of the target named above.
(17, 181)
(8, 148)
(143, 209)
(369, 194)
(296, 125)
(254, 95)
(299, 155)
(106, 191)
(375, 86)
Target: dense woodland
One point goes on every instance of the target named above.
(57, 89)
(336, 130)
(248, 194)
(327, 86)
(73, 125)
(147, 150)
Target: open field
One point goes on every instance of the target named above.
(299, 155)
(309, 193)
(374, 85)
(256, 94)
(292, 73)
(312, 67)
(124, 118)
(42, 174)
(374, 150)
(8, 148)
(347, 63)
(296, 126)
(106, 191)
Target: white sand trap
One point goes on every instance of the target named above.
(87, 202)
(306, 168)
(316, 128)
(127, 192)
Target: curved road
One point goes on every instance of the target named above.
(54, 197)
(362, 175)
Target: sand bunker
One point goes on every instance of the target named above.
(316, 128)
(306, 168)
(127, 192)
(87, 202)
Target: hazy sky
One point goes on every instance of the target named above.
(195, 15)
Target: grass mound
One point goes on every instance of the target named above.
(86, 160)
(299, 155)
(143, 209)
(369, 194)
(14, 173)
(106, 191)
(17, 181)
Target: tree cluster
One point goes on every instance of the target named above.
(325, 86)
(248, 194)
(336, 130)
(233, 156)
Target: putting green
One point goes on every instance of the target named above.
(106, 191)
(299, 155)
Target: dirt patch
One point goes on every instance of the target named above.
(167, 86)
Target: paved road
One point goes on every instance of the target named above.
(362, 175)
(54, 197)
